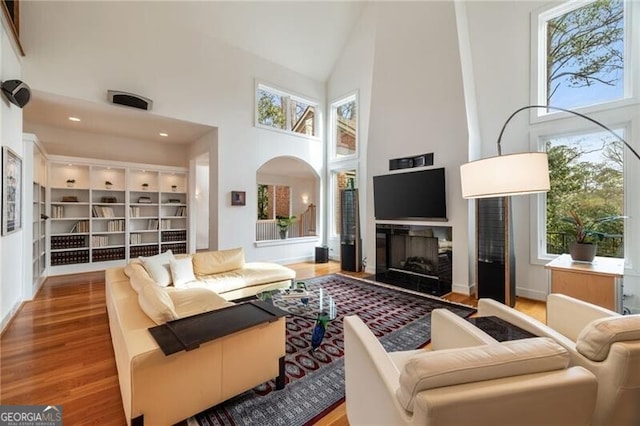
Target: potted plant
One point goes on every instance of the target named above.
(174, 188)
(283, 223)
(587, 235)
(107, 184)
(71, 183)
(145, 186)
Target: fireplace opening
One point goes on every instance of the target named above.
(415, 257)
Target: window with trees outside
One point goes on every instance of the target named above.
(581, 66)
(273, 201)
(283, 111)
(344, 125)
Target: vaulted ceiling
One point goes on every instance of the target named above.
(305, 36)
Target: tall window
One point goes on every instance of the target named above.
(284, 111)
(586, 174)
(344, 125)
(582, 53)
(582, 63)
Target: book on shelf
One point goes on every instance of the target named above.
(99, 241)
(57, 212)
(102, 211)
(115, 225)
(80, 226)
(134, 211)
(135, 239)
(166, 223)
(144, 200)
(152, 224)
(181, 211)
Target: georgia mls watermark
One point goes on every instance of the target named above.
(30, 415)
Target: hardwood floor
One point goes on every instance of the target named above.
(58, 349)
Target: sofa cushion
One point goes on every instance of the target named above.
(595, 340)
(181, 271)
(158, 267)
(156, 303)
(193, 301)
(449, 367)
(214, 262)
(252, 274)
(138, 276)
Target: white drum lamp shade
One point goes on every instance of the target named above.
(505, 175)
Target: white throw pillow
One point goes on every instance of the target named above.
(181, 271)
(158, 267)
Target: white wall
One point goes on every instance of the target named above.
(353, 71)
(11, 246)
(417, 106)
(189, 76)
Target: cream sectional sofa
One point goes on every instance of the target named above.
(158, 389)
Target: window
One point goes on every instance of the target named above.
(283, 111)
(586, 173)
(581, 60)
(344, 125)
(273, 201)
(581, 54)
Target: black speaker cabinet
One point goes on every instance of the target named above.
(350, 239)
(496, 266)
(322, 254)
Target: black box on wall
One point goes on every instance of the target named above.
(409, 162)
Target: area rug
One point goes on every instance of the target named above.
(315, 379)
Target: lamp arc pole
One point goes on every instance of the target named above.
(567, 111)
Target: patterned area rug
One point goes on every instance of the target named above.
(315, 380)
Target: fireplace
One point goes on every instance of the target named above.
(414, 257)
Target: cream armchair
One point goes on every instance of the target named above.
(602, 341)
(468, 378)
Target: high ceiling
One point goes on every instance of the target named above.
(305, 36)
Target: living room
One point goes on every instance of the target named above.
(437, 77)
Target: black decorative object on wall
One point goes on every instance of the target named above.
(409, 162)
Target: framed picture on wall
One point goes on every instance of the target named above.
(11, 191)
(238, 198)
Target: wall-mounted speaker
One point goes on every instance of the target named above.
(17, 92)
(129, 99)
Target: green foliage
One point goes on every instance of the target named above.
(594, 191)
(284, 222)
(584, 46)
(263, 202)
(270, 110)
(587, 232)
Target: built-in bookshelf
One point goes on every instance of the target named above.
(103, 215)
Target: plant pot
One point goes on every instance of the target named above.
(283, 234)
(583, 252)
(108, 185)
(70, 184)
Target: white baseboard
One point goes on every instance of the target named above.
(291, 260)
(7, 319)
(463, 289)
(531, 294)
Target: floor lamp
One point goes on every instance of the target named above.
(515, 174)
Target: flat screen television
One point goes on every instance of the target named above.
(410, 196)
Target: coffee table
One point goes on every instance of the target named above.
(316, 304)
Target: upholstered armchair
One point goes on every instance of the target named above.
(467, 378)
(604, 342)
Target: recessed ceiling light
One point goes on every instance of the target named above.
(74, 119)
(164, 135)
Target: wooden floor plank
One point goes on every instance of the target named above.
(57, 350)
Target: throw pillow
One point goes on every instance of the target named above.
(181, 271)
(156, 303)
(158, 267)
(215, 262)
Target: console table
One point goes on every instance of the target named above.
(599, 282)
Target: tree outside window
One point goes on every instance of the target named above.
(285, 112)
(585, 55)
(586, 174)
(273, 201)
(344, 116)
